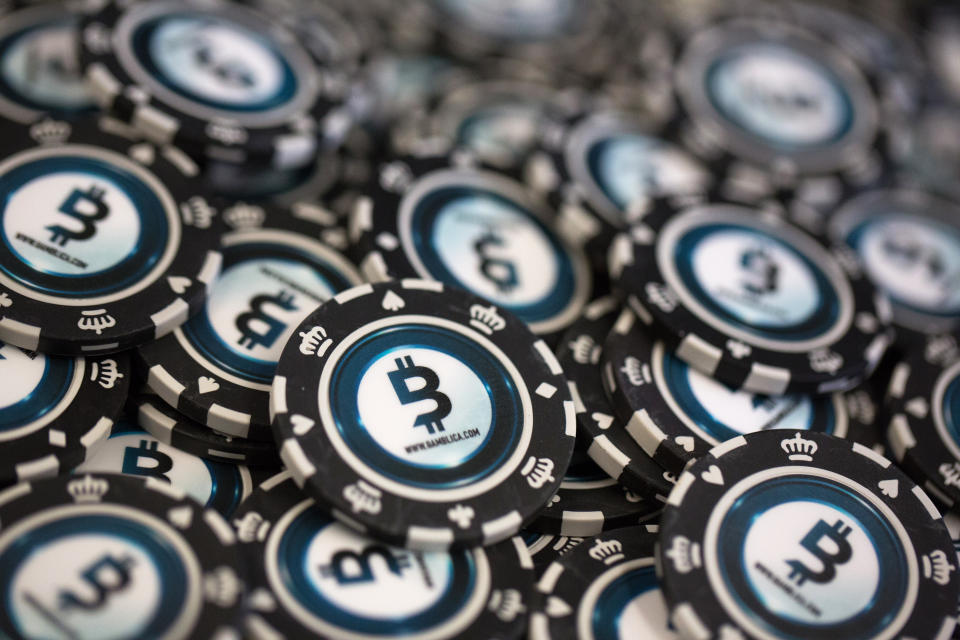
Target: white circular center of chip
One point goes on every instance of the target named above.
(513, 18)
(757, 280)
(21, 374)
(71, 223)
(371, 580)
(256, 304)
(425, 407)
(916, 261)
(833, 574)
(78, 582)
(220, 61)
(645, 616)
(781, 95)
(42, 66)
(496, 250)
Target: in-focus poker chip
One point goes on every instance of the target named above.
(909, 244)
(545, 548)
(924, 395)
(422, 415)
(804, 535)
(676, 413)
(608, 443)
(442, 217)
(589, 501)
(170, 427)
(105, 555)
(594, 169)
(606, 587)
(315, 577)
(41, 73)
(217, 367)
(132, 451)
(55, 410)
(213, 77)
(750, 299)
(109, 242)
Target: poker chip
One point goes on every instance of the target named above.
(217, 367)
(860, 550)
(109, 242)
(545, 548)
(316, 577)
(172, 428)
(594, 169)
(442, 217)
(422, 415)
(128, 557)
(589, 502)
(922, 432)
(132, 451)
(605, 587)
(214, 77)
(55, 410)
(41, 73)
(676, 413)
(750, 299)
(908, 241)
(609, 444)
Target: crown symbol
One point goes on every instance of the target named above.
(314, 342)
(88, 489)
(222, 586)
(634, 370)
(197, 212)
(825, 360)
(244, 216)
(940, 349)
(606, 551)
(507, 604)
(51, 132)
(486, 319)
(96, 320)
(538, 471)
(684, 554)
(861, 405)
(226, 133)
(799, 449)
(252, 527)
(584, 349)
(936, 565)
(363, 497)
(106, 373)
(396, 177)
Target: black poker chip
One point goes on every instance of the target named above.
(589, 502)
(545, 548)
(132, 451)
(442, 216)
(922, 434)
(109, 241)
(54, 410)
(606, 587)
(779, 534)
(217, 78)
(908, 241)
(217, 367)
(422, 415)
(676, 413)
(170, 427)
(315, 577)
(100, 554)
(41, 75)
(607, 442)
(750, 299)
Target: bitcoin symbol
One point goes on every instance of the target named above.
(86, 207)
(272, 328)
(837, 536)
(350, 567)
(406, 370)
(132, 457)
(499, 271)
(760, 270)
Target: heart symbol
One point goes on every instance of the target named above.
(917, 407)
(178, 284)
(143, 153)
(603, 420)
(301, 424)
(5, 300)
(687, 442)
(557, 608)
(181, 517)
(889, 488)
(713, 475)
(206, 384)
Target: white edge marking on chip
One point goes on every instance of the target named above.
(257, 627)
(569, 419)
(273, 481)
(45, 467)
(548, 357)
(24, 335)
(374, 268)
(419, 284)
(867, 452)
(582, 523)
(170, 317)
(931, 488)
(178, 158)
(899, 436)
(539, 626)
(162, 424)
(293, 150)
(429, 538)
(361, 218)
(296, 461)
(898, 380)
(102, 84)
(645, 431)
(349, 520)
(164, 385)
(575, 395)
(601, 307)
(155, 124)
(684, 482)
(927, 503)
(97, 348)
(609, 458)
(220, 527)
(699, 353)
(239, 458)
(100, 431)
(766, 379)
(551, 575)
(546, 390)
(210, 271)
(624, 322)
(14, 492)
(946, 628)
(278, 396)
(876, 349)
(608, 376)
(501, 528)
(231, 421)
(727, 446)
(685, 618)
(639, 310)
(523, 554)
(353, 292)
